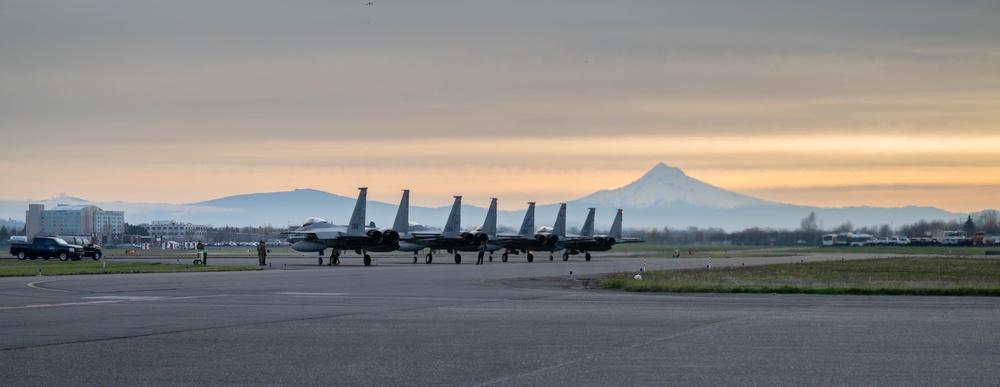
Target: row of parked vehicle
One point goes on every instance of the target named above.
(946, 239)
(59, 247)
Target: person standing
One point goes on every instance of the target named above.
(261, 253)
(482, 251)
(200, 247)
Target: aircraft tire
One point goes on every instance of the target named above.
(368, 260)
(428, 259)
(491, 257)
(503, 258)
(414, 259)
(587, 257)
(458, 259)
(551, 257)
(565, 257)
(531, 258)
(321, 261)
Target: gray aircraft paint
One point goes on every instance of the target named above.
(454, 224)
(528, 225)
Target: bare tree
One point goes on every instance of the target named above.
(809, 223)
(989, 220)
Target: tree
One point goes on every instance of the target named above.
(969, 227)
(4, 234)
(131, 229)
(989, 220)
(846, 227)
(809, 223)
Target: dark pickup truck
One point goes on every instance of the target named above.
(46, 247)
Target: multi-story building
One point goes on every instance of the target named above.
(102, 226)
(169, 230)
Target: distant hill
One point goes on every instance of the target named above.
(663, 197)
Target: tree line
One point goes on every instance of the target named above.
(810, 233)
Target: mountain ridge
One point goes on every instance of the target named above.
(662, 197)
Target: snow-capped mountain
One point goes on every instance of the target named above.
(663, 197)
(665, 185)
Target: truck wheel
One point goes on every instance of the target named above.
(62, 257)
(98, 255)
(21, 256)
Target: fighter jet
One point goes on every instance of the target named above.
(526, 239)
(451, 239)
(316, 235)
(587, 241)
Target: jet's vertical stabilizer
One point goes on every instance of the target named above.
(490, 224)
(454, 224)
(588, 225)
(528, 225)
(616, 226)
(559, 228)
(402, 224)
(357, 225)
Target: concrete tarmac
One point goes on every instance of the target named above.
(513, 323)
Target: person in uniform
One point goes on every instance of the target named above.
(482, 251)
(261, 253)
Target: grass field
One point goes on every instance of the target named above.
(663, 251)
(14, 268)
(884, 276)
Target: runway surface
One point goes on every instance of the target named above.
(513, 323)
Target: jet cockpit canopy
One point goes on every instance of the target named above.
(312, 221)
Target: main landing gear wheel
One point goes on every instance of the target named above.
(503, 258)
(321, 261)
(551, 257)
(587, 257)
(531, 258)
(565, 257)
(428, 258)
(458, 259)
(368, 260)
(491, 257)
(414, 258)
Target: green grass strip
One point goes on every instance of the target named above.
(944, 276)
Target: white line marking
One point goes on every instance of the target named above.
(125, 298)
(34, 285)
(113, 301)
(312, 294)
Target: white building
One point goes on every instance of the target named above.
(102, 226)
(170, 230)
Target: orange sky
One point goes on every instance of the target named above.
(867, 104)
